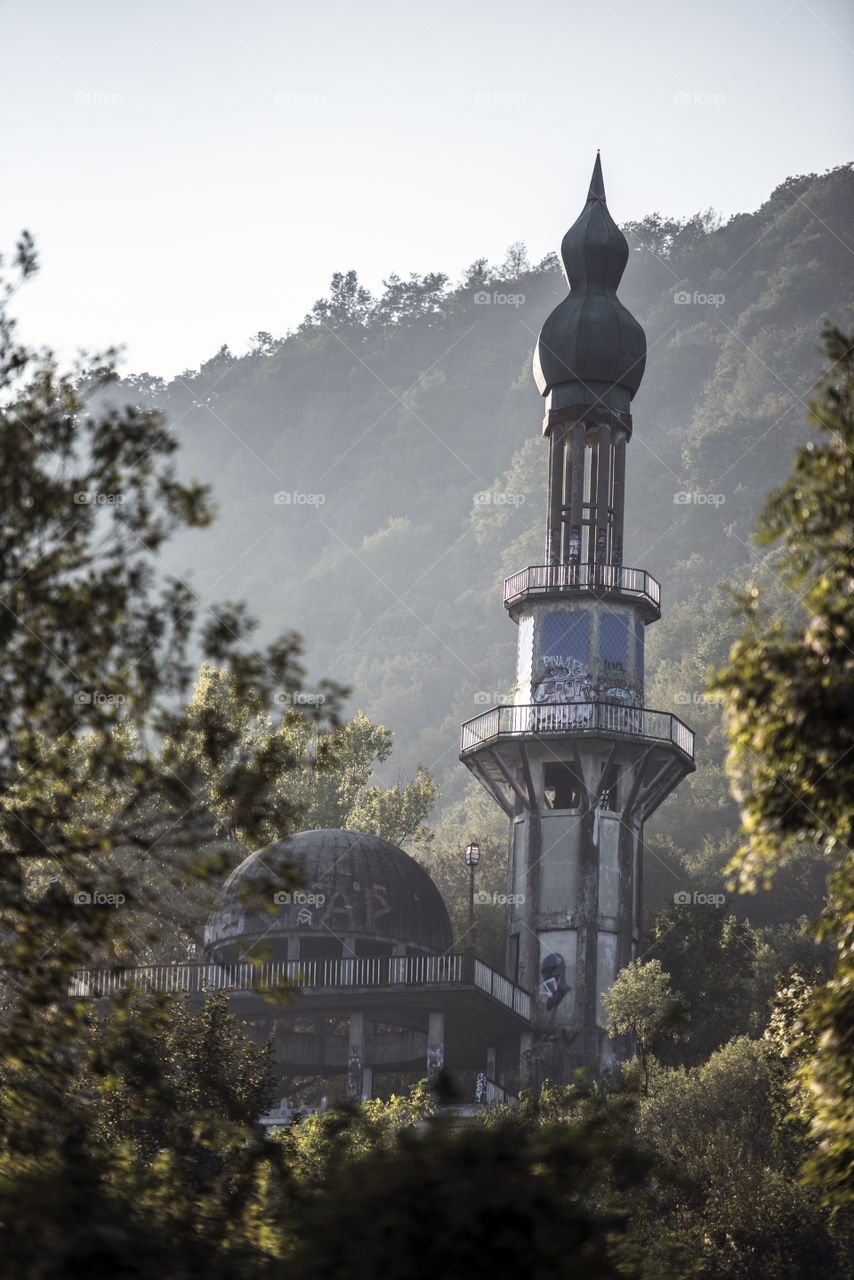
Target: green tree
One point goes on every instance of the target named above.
(229, 728)
(789, 690)
(93, 642)
(642, 1005)
(710, 955)
(505, 1200)
(349, 303)
(156, 1072)
(721, 1201)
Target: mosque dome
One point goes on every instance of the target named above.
(591, 349)
(360, 895)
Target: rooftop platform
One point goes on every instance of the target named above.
(603, 581)
(540, 720)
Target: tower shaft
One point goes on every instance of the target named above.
(577, 762)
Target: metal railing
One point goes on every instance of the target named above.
(531, 720)
(488, 1092)
(304, 975)
(545, 578)
(502, 989)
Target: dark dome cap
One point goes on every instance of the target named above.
(355, 884)
(591, 349)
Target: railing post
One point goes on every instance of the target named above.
(468, 966)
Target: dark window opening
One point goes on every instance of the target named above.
(513, 957)
(323, 948)
(372, 947)
(561, 787)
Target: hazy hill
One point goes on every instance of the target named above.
(406, 434)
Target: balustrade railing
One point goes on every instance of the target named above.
(490, 1093)
(315, 975)
(502, 989)
(545, 578)
(529, 720)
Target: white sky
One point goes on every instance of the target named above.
(195, 172)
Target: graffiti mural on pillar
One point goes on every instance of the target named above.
(435, 1062)
(354, 1072)
(564, 684)
(564, 697)
(480, 1087)
(553, 987)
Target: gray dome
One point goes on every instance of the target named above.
(591, 347)
(357, 888)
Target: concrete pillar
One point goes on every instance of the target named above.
(435, 1046)
(367, 1083)
(556, 498)
(619, 497)
(576, 497)
(527, 1072)
(355, 1050)
(490, 1063)
(603, 492)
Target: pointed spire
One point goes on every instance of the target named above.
(591, 349)
(597, 184)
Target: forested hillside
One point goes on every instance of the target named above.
(381, 469)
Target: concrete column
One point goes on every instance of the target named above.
(367, 1083)
(556, 498)
(527, 1073)
(490, 1063)
(603, 492)
(587, 901)
(619, 497)
(355, 1050)
(626, 913)
(435, 1045)
(576, 496)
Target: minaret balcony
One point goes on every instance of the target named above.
(548, 720)
(604, 581)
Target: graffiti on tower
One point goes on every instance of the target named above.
(565, 684)
(553, 987)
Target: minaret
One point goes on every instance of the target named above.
(577, 762)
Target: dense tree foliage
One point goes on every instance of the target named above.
(374, 483)
(790, 717)
(642, 1005)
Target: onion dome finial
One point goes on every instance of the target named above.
(591, 350)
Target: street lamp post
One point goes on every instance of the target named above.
(472, 859)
